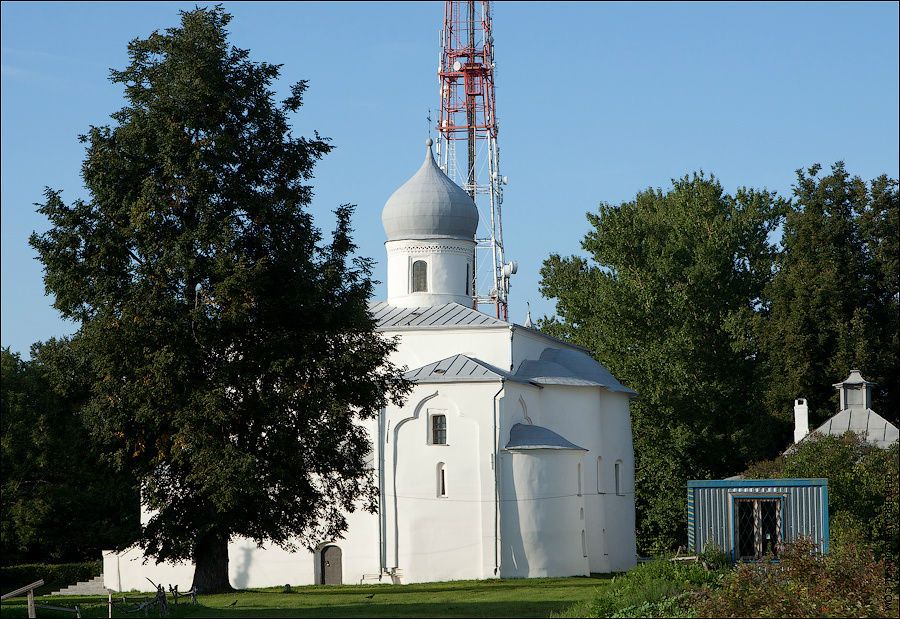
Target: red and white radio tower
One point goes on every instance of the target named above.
(469, 115)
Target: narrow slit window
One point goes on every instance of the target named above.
(619, 488)
(467, 281)
(441, 480)
(439, 429)
(420, 276)
(600, 488)
(579, 479)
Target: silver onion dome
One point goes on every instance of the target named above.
(429, 205)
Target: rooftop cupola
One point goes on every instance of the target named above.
(430, 224)
(856, 392)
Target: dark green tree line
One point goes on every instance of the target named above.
(60, 500)
(833, 304)
(228, 345)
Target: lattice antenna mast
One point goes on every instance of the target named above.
(469, 119)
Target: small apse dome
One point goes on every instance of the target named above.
(429, 205)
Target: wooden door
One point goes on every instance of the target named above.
(331, 565)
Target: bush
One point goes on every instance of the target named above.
(653, 589)
(714, 558)
(850, 582)
(55, 576)
(863, 487)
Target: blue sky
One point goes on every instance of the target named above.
(595, 101)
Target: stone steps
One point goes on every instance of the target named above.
(93, 586)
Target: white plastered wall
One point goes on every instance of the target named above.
(430, 537)
(421, 347)
(540, 514)
(599, 421)
(449, 267)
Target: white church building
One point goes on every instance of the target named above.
(512, 456)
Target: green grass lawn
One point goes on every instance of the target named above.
(536, 597)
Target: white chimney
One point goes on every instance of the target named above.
(801, 419)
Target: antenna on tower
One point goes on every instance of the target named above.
(468, 115)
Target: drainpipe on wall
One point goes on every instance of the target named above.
(496, 457)
(382, 550)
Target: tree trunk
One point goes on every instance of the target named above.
(211, 564)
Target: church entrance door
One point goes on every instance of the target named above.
(331, 565)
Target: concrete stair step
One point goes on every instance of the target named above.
(93, 586)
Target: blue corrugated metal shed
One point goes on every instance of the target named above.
(729, 513)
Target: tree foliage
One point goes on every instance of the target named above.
(834, 304)
(863, 486)
(51, 467)
(230, 349)
(666, 302)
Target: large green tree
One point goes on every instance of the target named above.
(230, 348)
(834, 301)
(51, 467)
(666, 301)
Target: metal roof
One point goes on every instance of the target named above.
(569, 367)
(459, 368)
(447, 315)
(527, 436)
(875, 429)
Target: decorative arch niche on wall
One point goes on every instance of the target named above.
(525, 410)
(414, 427)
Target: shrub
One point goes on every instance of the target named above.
(714, 558)
(55, 576)
(653, 589)
(863, 487)
(848, 583)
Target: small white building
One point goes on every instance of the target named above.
(512, 456)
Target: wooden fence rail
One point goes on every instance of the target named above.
(30, 591)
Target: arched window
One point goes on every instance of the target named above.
(441, 480)
(420, 276)
(583, 544)
(620, 490)
(582, 513)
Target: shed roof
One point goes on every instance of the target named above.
(527, 436)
